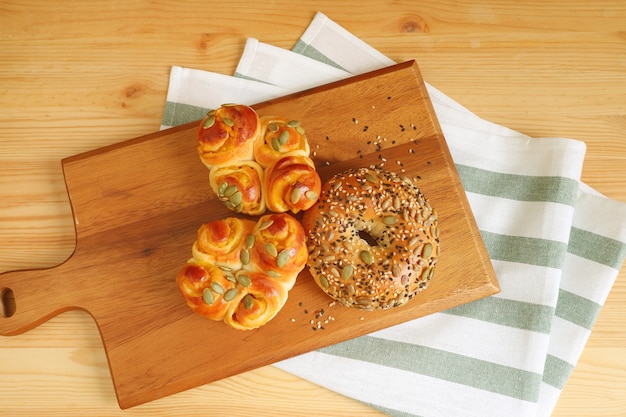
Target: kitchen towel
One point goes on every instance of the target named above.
(509, 354)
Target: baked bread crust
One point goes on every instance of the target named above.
(373, 239)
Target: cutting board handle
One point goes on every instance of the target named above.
(31, 297)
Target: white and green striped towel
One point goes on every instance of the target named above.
(556, 259)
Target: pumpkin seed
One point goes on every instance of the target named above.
(293, 123)
(266, 224)
(323, 281)
(396, 203)
(366, 256)
(217, 288)
(211, 113)
(371, 177)
(250, 241)
(350, 289)
(275, 144)
(230, 294)
(311, 195)
(207, 296)
(238, 208)
(272, 127)
(335, 271)
(386, 204)
(283, 138)
(230, 276)
(230, 190)
(346, 272)
(244, 280)
(428, 249)
(273, 274)
(248, 302)
(222, 188)
(396, 271)
(229, 104)
(271, 250)
(426, 273)
(228, 121)
(208, 122)
(364, 301)
(236, 198)
(389, 220)
(300, 130)
(296, 193)
(414, 240)
(245, 256)
(282, 258)
(225, 268)
(333, 213)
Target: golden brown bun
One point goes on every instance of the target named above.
(279, 137)
(198, 284)
(292, 184)
(234, 276)
(226, 135)
(256, 304)
(280, 247)
(257, 163)
(389, 211)
(239, 186)
(220, 242)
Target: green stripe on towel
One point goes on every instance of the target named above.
(556, 372)
(597, 248)
(525, 250)
(576, 309)
(511, 313)
(176, 114)
(309, 51)
(436, 363)
(518, 187)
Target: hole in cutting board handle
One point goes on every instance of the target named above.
(7, 302)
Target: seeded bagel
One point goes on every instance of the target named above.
(373, 239)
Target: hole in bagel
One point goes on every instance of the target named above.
(363, 234)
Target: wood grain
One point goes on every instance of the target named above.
(137, 205)
(78, 75)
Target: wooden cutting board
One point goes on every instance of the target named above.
(138, 204)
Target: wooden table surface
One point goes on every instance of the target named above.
(78, 75)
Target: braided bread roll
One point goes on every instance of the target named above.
(227, 135)
(291, 184)
(239, 186)
(220, 242)
(205, 289)
(235, 276)
(279, 247)
(279, 137)
(256, 304)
